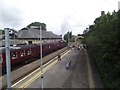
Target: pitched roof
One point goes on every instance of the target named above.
(35, 33)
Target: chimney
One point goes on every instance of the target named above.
(102, 13)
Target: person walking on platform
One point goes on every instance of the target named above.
(59, 57)
(68, 64)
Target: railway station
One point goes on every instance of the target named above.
(58, 75)
(72, 71)
(41, 59)
(63, 44)
(47, 62)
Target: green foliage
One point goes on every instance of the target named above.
(38, 24)
(79, 35)
(2, 32)
(68, 37)
(103, 40)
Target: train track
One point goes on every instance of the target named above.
(46, 67)
(15, 81)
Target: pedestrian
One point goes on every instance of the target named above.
(59, 57)
(68, 64)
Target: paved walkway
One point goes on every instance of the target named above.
(79, 74)
(79, 71)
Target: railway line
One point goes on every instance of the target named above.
(27, 80)
(20, 74)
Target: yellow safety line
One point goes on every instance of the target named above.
(27, 83)
(65, 53)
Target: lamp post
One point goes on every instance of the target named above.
(8, 63)
(14, 36)
(41, 57)
(68, 38)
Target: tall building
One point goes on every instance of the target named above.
(119, 5)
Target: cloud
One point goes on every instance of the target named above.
(10, 16)
(59, 15)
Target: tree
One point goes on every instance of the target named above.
(103, 40)
(38, 24)
(68, 36)
(2, 31)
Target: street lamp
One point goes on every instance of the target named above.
(41, 56)
(8, 63)
(68, 38)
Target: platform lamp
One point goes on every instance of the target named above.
(68, 38)
(8, 61)
(41, 56)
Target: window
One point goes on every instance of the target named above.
(1, 59)
(22, 53)
(29, 42)
(14, 55)
(29, 52)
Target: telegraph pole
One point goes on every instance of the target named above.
(41, 56)
(8, 61)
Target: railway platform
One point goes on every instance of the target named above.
(79, 73)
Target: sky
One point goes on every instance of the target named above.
(60, 16)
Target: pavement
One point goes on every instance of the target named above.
(79, 73)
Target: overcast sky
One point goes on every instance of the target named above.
(59, 15)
